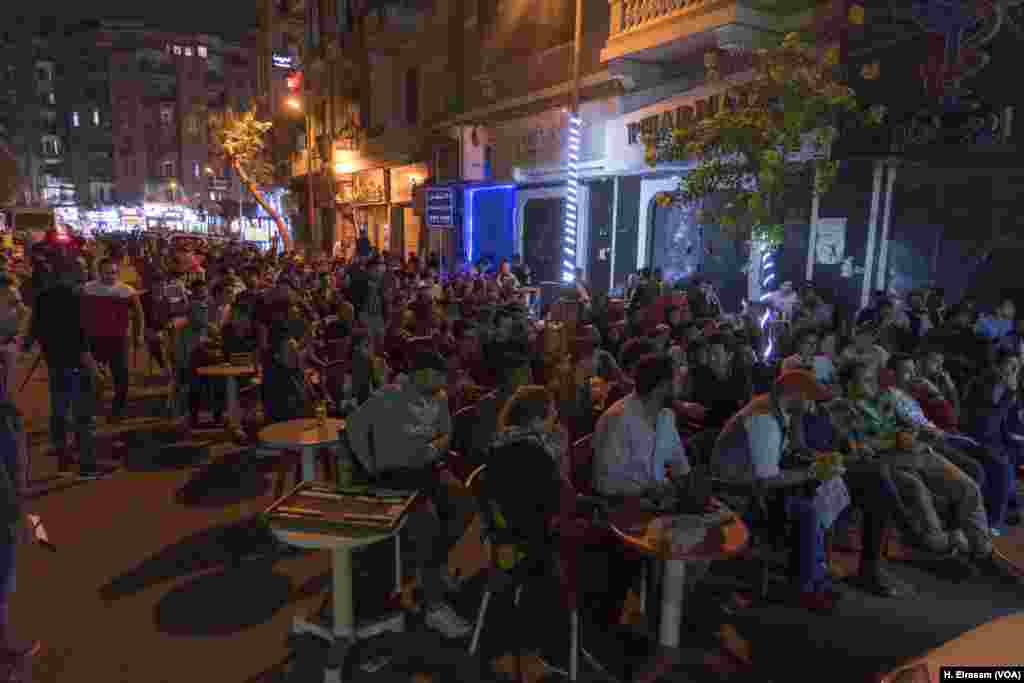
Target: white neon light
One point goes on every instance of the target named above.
(569, 231)
(768, 279)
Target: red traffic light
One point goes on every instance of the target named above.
(294, 81)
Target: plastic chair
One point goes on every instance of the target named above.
(528, 553)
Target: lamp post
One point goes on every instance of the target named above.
(295, 104)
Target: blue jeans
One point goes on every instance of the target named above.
(73, 390)
(809, 551)
(1000, 489)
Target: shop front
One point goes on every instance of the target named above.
(409, 235)
(363, 200)
(667, 237)
(538, 204)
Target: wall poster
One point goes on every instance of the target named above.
(830, 241)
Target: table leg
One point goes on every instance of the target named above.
(233, 418)
(308, 464)
(344, 610)
(673, 588)
(344, 615)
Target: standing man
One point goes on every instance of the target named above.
(104, 317)
(57, 326)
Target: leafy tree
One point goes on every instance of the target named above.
(766, 130)
(241, 140)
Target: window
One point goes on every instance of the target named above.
(195, 169)
(96, 117)
(412, 96)
(188, 51)
(201, 51)
(167, 169)
(74, 119)
(177, 49)
(51, 98)
(192, 124)
(129, 167)
(166, 114)
(44, 73)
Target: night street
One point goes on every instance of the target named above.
(147, 588)
(444, 341)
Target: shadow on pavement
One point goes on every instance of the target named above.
(224, 602)
(56, 485)
(204, 550)
(227, 481)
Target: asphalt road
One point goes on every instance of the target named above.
(156, 580)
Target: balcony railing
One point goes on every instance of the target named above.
(659, 30)
(628, 15)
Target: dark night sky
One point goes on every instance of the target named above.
(214, 16)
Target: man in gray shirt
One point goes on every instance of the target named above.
(400, 436)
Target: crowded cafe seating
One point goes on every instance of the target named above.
(623, 447)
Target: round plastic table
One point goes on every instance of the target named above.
(651, 534)
(230, 373)
(306, 435)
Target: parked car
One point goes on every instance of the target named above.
(995, 644)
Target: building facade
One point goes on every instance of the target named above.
(134, 107)
(29, 119)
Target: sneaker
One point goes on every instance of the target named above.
(444, 619)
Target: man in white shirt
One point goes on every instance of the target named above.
(111, 345)
(637, 436)
(635, 439)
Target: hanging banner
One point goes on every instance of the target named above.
(830, 241)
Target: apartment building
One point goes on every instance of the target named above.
(135, 106)
(29, 121)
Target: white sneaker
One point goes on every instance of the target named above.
(444, 619)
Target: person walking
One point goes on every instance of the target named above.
(57, 326)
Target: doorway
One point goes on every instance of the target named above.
(543, 219)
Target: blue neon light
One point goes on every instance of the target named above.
(469, 234)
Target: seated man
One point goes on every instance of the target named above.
(634, 441)
(751, 447)
(515, 373)
(721, 386)
(400, 436)
(951, 446)
(936, 391)
(926, 482)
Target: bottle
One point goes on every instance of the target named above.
(344, 469)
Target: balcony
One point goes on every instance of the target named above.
(663, 31)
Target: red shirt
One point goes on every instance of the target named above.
(937, 409)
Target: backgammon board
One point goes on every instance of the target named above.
(316, 506)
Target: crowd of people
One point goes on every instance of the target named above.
(922, 401)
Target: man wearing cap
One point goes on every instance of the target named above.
(400, 436)
(751, 447)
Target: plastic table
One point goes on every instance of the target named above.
(343, 631)
(305, 435)
(648, 534)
